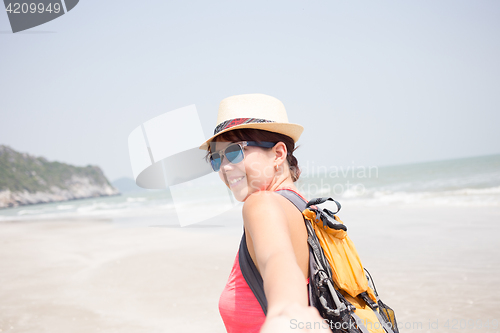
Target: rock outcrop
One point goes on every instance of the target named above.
(26, 179)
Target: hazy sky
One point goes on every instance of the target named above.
(372, 82)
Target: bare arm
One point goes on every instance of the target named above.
(268, 228)
(284, 283)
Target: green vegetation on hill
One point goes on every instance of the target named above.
(21, 171)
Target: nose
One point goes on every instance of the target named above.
(225, 165)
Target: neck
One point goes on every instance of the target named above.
(282, 180)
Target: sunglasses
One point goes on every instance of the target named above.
(234, 152)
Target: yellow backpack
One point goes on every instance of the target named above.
(339, 287)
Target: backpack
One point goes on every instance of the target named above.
(339, 287)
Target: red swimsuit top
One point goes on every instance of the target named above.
(239, 308)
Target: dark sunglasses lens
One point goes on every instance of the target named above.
(234, 154)
(215, 161)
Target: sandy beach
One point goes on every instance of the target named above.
(438, 267)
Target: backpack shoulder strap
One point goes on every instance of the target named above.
(247, 266)
(294, 198)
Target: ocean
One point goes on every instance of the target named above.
(473, 181)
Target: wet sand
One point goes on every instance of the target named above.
(431, 264)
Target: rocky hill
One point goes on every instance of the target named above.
(26, 179)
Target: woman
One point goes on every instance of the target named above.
(252, 150)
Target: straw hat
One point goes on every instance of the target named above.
(256, 111)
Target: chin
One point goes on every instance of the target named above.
(240, 196)
(241, 193)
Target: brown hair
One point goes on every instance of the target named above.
(251, 134)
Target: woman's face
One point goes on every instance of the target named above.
(254, 173)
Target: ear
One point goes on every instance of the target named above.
(280, 153)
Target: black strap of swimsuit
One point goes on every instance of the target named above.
(251, 274)
(247, 266)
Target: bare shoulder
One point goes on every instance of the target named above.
(274, 225)
(267, 205)
(261, 198)
(261, 208)
(263, 202)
